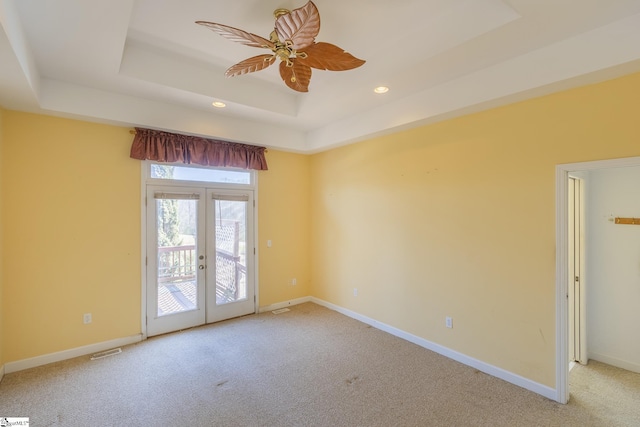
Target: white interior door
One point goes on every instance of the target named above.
(575, 286)
(200, 256)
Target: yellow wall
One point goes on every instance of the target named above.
(1, 227)
(453, 219)
(283, 211)
(71, 216)
(458, 219)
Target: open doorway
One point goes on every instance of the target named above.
(565, 276)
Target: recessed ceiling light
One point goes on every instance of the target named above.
(381, 89)
(218, 104)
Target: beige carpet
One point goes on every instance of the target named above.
(307, 367)
(611, 395)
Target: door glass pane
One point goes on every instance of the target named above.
(231, 251)
(177, 263)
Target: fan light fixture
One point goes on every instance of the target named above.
(218, 104)
(381, 89)
(293, 42)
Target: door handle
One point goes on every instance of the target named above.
(201, 267)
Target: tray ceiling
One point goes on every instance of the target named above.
(146, 63)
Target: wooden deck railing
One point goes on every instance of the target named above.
(180, 263)
(176, 263)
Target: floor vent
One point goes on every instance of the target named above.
(281, 310)
(107, 353)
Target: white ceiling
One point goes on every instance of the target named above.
(146, 63)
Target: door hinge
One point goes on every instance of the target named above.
(146, 261)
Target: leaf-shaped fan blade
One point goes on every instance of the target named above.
(296, 77)
(326, 56)
(300, 26)
(237, 35)
(250, 65)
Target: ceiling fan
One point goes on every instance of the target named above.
(293, 42)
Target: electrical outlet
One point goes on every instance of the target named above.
(294, 281)
(86, 318)
(448, 321)
(355, 292)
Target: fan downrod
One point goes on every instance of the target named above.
(279, 12)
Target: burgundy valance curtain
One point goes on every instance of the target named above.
(169, 147)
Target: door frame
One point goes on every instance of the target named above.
(144, 180)
(562, 266)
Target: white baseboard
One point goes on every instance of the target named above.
(510, 377)
(69, 354)
(618, 363)
(284, 304)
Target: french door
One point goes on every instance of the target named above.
(200, 256)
